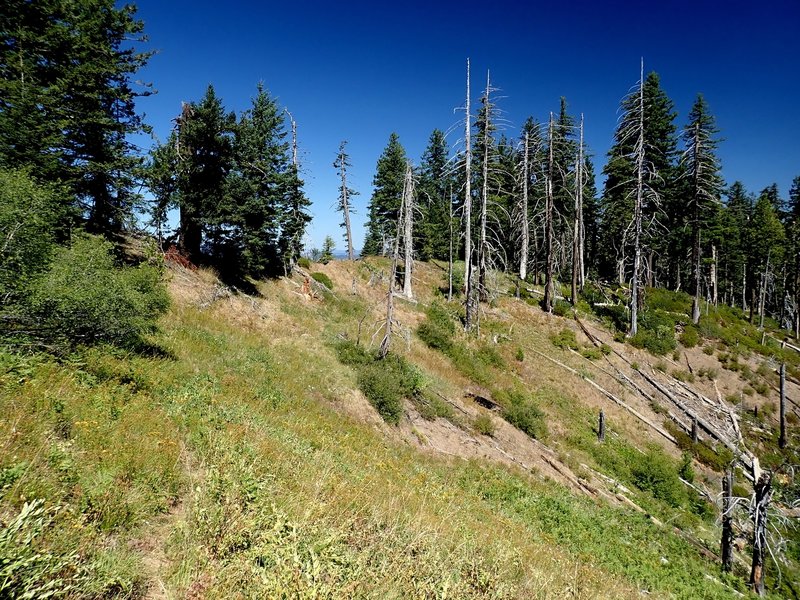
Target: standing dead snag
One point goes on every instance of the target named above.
(468, 210)
(549, 285)
(601, 427)
(727, 521)
(525, 238)
(405, 206)
(482, 243)
(637, 208)
(762, 495)
(342, 162)
(782, 414)
(407, 211)
(577, 234)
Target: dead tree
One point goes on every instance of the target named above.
(386, 342)
(577, 233)
(525, 237)
(601, 427)
(782, 414)
(727, 521)
(342, 162)
(549, 286)
(762, 495)
(450, 255)
(638, 206)
(468, 210)
(482, 243)
(408, 225)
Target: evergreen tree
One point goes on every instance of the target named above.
(384, 206)
(734, 251)
(616, 203)
(67, 100)
(161, 176)
(765, 243)
(434, 191)
(704, 185)
(259, 185)
(205, 157)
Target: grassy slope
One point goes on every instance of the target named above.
(224, 470)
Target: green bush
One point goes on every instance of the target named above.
(690, 337)
(520, 410)
(304, 263)
(350, 354)
(438, 329)
(484, 425)
(29, 216)
(561, 308)
(323, 279)
(519, 355)
(653, 472)
(386, 382)
(565, 339)
(86, 298)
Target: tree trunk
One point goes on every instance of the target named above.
(727, 521)
(601, 427)
(525, 241)
(408, 226)
(782, 438)
(450, 255)
(468, 211)
(577, 259)
(549, 286)
(637, 212)
(696, 230)
(482, 248)
(387, 335)
(762, 496)
(714, 283)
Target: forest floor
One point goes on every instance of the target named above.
(242, 459)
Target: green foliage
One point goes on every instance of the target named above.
(521, 411)
(438, 329)
(384, 205)
(304, 263)
(484, 424)
(717, 459)
(690, 337)
(117, 305)
(565, 339)
(323, 279)
(561, 308)
(655, 473)
(351, 354)
(519, 355)
(29, 215)
(685, 469)
(656, 333)
(328, 246)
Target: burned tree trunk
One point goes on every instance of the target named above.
(577, 248)
(782, 438)
(482, 243)
(601, 427)
(549, 286)
(637, 210)
(525, 238)
(762, 495)
(468, 211)
(408, 225)
(727, 521)
(387, 333)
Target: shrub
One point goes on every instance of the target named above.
(86, 298)
(653, 472)
(489, 356)
(521, 411)
(350, 354)
(323, 279)
(484, 425)
(519, 355)
(561, 308)
(565, 339)
(690, 337)
(304, 263)
(438, 329)
(386, 382)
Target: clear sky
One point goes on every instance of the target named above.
(361, 70)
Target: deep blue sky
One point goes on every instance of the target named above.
(360, 70)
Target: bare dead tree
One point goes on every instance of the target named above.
(450, 254)
(782, 414)
(525, 225)
(408, 226)
(727, 521)
(637, 209)
(762, 495)
(468, 210)
(482, 246)
(549, 286)
(386, 342)
(577, 228)
(342, 162)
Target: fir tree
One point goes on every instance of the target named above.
(384, 206)
(703, 182)
(434, 191)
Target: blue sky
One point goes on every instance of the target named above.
(360, 70)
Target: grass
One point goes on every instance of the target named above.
(264, 490)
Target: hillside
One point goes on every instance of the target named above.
(240, 456)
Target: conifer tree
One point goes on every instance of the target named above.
(67, 100)
(384, 206)
(205, 157)
(296, 216)
(434, 194)
(704, 184)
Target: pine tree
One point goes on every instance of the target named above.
(205, 157)
(384, 206)
(704, 184)
(67, 100)
(435, 198)
(616, 203)
(765, 242)
(259, 185)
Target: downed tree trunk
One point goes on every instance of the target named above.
(762, 494)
